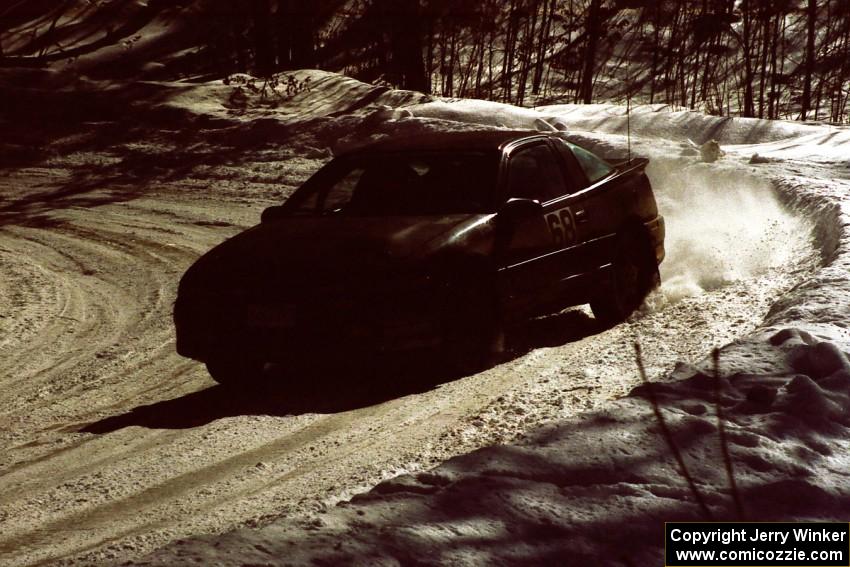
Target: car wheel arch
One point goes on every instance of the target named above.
(632, 233)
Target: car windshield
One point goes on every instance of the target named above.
(428, 183)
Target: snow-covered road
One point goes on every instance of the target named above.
(113, 446)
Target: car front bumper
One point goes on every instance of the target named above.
(210, 325)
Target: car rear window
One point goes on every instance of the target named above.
(429, 183)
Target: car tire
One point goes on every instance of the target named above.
(633, 275)
(471, 324)
(231, 370)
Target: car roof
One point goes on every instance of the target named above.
(476, 140)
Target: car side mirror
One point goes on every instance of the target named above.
(271, 213)
(516, 210)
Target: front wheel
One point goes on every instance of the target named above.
(634, 274)
(231, 370)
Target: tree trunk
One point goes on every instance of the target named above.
(261, 38)
(656, 47)
(670, 69)
(295, 35)
(593, 30)
(479, 73)
(491, 49)
(407, 67)
(543, 40)
(746, 42)
(471, 61)
(844, 73)
(510, 49)
(806, 102)
(454, 46)
(429, 57)
(527, 50)
(765, 45)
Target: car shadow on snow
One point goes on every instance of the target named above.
(338, 388)
(283, 391)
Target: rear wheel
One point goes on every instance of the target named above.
(634, 274)
(230, 370)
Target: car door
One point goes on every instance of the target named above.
(596, 206)
(534, 259)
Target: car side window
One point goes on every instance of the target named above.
(575, 173)
(534, 173)
(594, 167)
(339, 194)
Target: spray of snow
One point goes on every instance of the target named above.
(722, 226)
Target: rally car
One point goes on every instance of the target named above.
(431, 241)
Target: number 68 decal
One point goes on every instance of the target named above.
(561, 226)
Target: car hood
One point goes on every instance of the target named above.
(309, 251)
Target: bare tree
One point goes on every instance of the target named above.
(811, 18)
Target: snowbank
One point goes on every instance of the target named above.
(592, 490)
(597, 488)
(674, 123)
